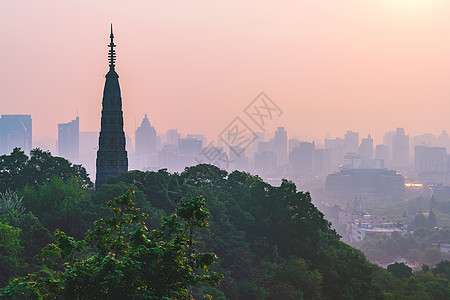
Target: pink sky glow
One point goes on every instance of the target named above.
(331, 66)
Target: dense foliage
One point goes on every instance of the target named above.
(416, 247)
(18, 170)
(121, 259)
(271, 242)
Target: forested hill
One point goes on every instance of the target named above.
(270, 242)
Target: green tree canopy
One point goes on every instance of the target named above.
(18, 170)
(121, 259)
(400, 270)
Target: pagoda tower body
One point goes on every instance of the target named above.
(111, 155)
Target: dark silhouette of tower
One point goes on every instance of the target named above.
(111, 155)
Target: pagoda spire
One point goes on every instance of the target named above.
(112, 158)
(112, 52)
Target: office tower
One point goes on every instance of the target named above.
(426, 139)
(366, 148)
(430, 159)
(265, 162)
(322, 162)
(301, 159)
(238, 158)
(351, 140)
(337, 151)
(88, 150)
(15, 132)
(387, 140)
(199, 137)
(280, 146)
(293, 143)
(112, 157)
(382, 153)
(400, 149)
(168, 157)
(145, 138)
(172, 137)
(189, 152)
(444, 140)
(69, 140)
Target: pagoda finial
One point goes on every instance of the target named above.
(112, 52)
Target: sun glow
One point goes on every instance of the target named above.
(414, 6)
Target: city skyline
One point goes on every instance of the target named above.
(187, 66)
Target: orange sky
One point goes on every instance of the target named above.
(331, 66)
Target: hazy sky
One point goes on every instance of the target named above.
(368, 66)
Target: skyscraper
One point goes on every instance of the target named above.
(351, 139)
(112, 157)
(280, 142)
(15, 132)
(145, 138)
(366, 148)
(69, 140)
(301, 159)
(400, 149)
(382, 153)
(172, 137)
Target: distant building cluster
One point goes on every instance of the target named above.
(342, 167)
(360, 225)
(346, 167)
(15, 131)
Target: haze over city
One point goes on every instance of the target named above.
(353, 65)
(249, 149)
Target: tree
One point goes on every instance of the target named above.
(18, 170)
(442, 268)
(432, 255)
(59, 204)
(12, 169)
(11, 203)
(431, 220)
(9, 251)
(400, 270)
(419, 221)
(205, 175)
(126, 260)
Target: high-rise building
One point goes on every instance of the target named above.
(337, 151)
(430, 159)
(351, 140)
(292, 144)
(301, 159)
(69, 140)
(238, 158)
(366, 148)
(400, 149)
(172, 137)
(88, 151)
(196, 136)
(265, 162)
(112, 157)
(387, 140)
(15, 132)
(145, 138)
(188, 151)
(168, 157)
(382, 153)
(322, 162)
(280, 146)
